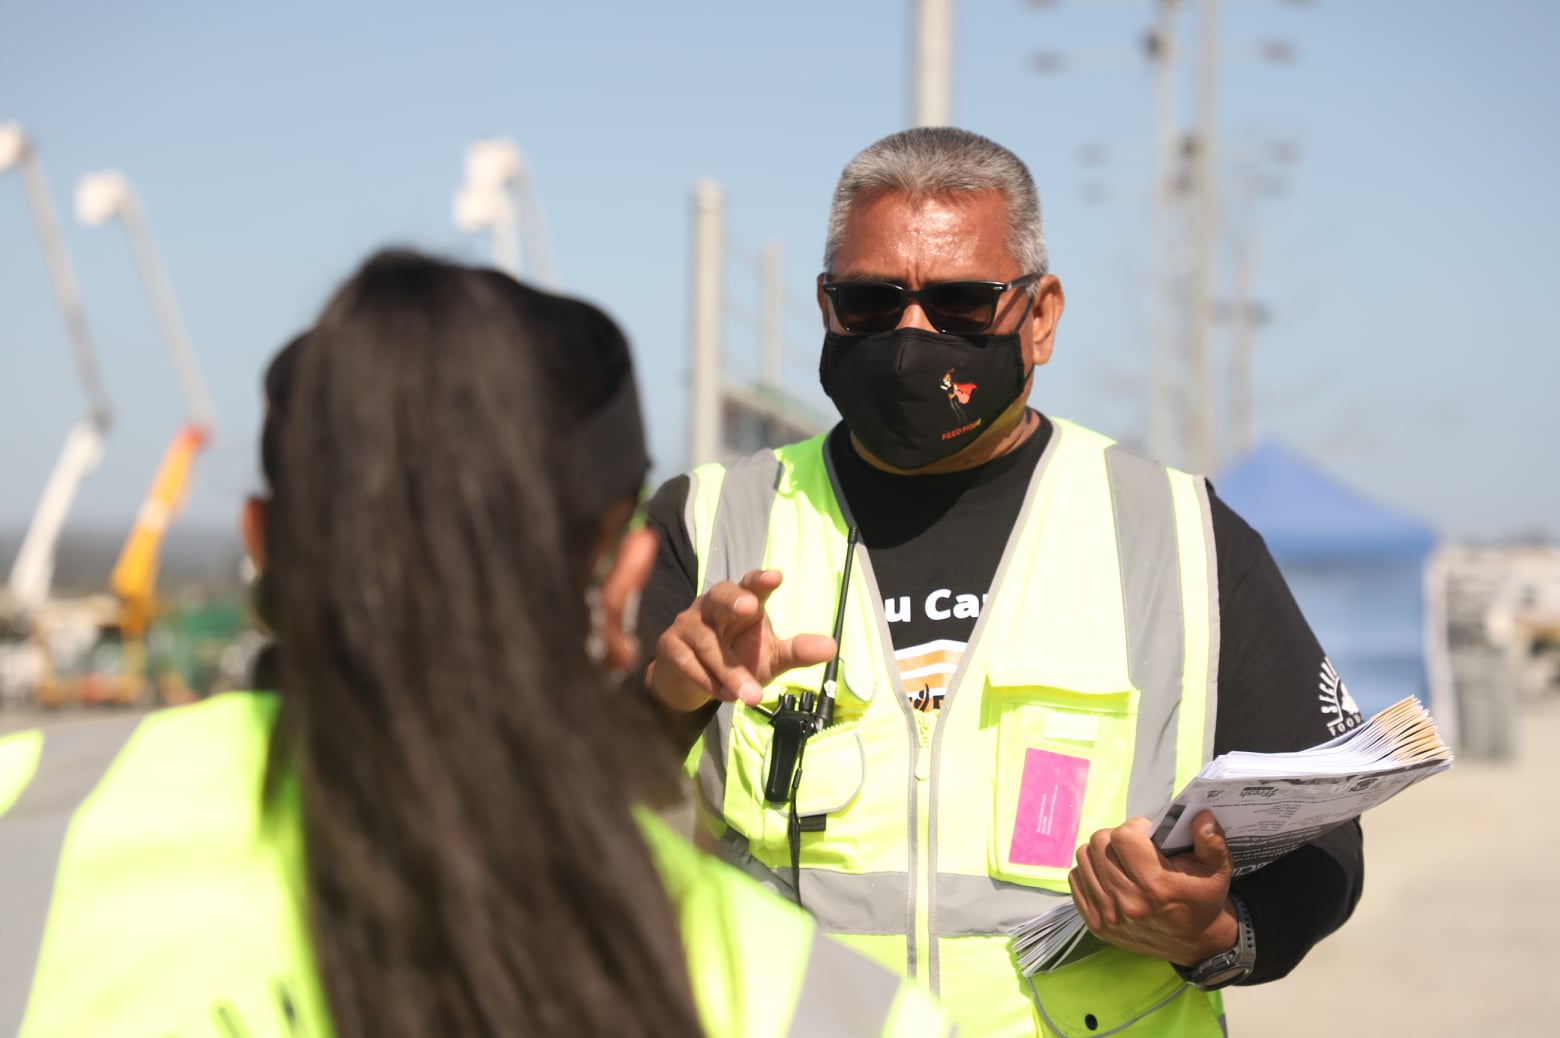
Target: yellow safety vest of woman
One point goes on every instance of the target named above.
(1088, 682)
(144, 890)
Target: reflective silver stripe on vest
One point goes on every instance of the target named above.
(843, 994)
(741, 527)
(711, 782)
(72, 762)
(1150, 558)
(979, 906)
(738, 537)
(1215, 630)
(861, 903)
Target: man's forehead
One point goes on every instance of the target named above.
(913, 203)
(892, 235)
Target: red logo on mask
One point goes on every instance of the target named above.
(959, 391)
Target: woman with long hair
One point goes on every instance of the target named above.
(444, 822)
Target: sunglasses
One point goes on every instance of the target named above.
(952, 307)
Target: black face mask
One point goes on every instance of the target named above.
(914, 397)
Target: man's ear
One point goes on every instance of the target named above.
(252, 523)
(1044, 313)
(620, 596)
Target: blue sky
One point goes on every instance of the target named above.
(1409, 263)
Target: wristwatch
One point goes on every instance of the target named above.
(1227, 967)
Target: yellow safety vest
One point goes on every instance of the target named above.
(145, 891)
(1090, 671)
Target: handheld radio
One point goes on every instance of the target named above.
(796, 720)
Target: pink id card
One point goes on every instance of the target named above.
(1050, 806)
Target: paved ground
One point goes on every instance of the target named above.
(14, 717)
(1458, 932)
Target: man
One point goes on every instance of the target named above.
(1044, 636)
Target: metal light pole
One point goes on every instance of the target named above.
(1169, 255)
(774, 315)
(1204, 400)
(1248, 314)
(931, 88)
(709, 235)
(105, 195)
(32, 572)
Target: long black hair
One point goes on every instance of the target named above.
(468, 780)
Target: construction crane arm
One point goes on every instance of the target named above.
(32, 572)
(104, 195)
(134, 578)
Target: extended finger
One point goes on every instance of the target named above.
(803, 650)
(762, 582)
(729, 608)
(714, 657)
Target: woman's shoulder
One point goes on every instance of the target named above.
(67, 762)
(170, 874)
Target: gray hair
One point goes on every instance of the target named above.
(932, 161)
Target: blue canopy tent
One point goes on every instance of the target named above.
(1356, 568)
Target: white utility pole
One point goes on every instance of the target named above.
(1169, 329)
(1204, 402)
(105, 195)
(709, 260)
(1247, 315)
(931, 88)
(32, 572)
(773, 273)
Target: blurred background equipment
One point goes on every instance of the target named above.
(93, 648)
(1200, 198)
(731, 416)
(499, 196)
(1356, 567)
(1198, 202)
(23, 656)
(124, 667)
(1499, 609)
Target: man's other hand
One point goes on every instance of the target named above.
(1175, 909)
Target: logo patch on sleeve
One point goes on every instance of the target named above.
(1338, 706)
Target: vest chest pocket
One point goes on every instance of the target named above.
(1064, 757)
(833, 773)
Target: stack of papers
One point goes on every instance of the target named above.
(1268, 804)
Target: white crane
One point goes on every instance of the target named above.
(499, 196)
(101, 197)
(32, 572)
